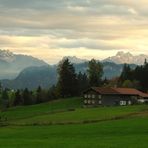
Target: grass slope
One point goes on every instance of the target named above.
(128, 132)
(83, 115)
(40, 109)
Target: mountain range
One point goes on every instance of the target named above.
(120, 58)
(32, 77)
(12, 64)
(21, 71)
(75, 60)
(46, 76)
(126, 57)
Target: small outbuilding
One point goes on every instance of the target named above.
(113, 96)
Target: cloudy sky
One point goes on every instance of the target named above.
(51, 29)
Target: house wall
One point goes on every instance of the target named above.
(93, 98)
(112, 100)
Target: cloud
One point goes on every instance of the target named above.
(35, 26)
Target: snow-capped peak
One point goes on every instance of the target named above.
(74, 59)
(6, 55)
(126, 57)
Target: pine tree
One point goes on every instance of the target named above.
(67, 81)
(52, 93)
(27, 97)
(83, 82)
(39, 95)
(18, 98)
(1, 89)
(95, 73)
(127, 74)
(4, 99)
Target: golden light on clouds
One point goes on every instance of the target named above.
(88, 29)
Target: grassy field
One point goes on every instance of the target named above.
(82, 115)
(40, 109)
(115, 126)
(129, 133)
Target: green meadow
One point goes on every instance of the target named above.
(66, 124)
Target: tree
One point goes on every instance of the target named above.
(39, 95)
(126, 74)
(137, 76)
(67, 81)
(113, 82)
(95, 73)
(4, 99)
(105, 82)
(27, 98)
(18, 98)
(83, 83)
(1, 89)
(144, 76)
(127, 84)
(11, 95)
(52, 93)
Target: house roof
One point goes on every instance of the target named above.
(131, 91)
(144, 95)
(119, 91)
(105, 90)
(127, 91)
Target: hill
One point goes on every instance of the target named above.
(12, 64)
(32, 77)
(67, 111)
(46, 76)
(63, 123)
(23, 112)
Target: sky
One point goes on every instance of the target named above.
(51, 29)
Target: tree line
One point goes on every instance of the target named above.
(135, 78)
(69, 84)
(72, 84)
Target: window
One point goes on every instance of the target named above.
(99, 96)
(93, 101)
(122, 103)
(129, 102)
(89, 101)
(93, 96)
(85, 101)
(100, 102)
(85, 96)
(141, 100)
(89, 96)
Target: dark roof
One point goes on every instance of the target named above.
(118, 91)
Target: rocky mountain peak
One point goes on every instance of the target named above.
(126, 57)
(74, 59)
(6, 55)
